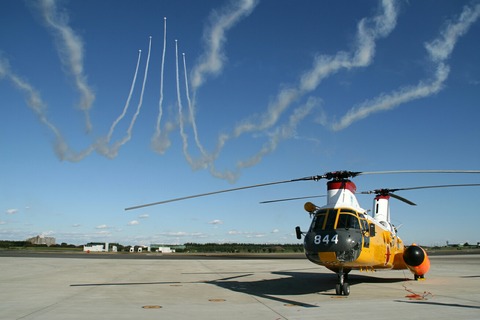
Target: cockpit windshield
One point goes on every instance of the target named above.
(347, 221)
(329, 219)
(319, 220)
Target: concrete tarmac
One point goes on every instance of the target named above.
(43, 287)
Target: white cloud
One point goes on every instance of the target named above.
(102, 226)
(254, 235)
(133, 223)
(246, 234)
(216, 222)
(144, 216)
(174, 234)
(11, 211)
(103, 233)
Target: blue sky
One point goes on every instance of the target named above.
(111, 104)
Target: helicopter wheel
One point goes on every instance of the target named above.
(338, 289)
(342, 287)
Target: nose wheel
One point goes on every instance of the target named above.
(342, 287)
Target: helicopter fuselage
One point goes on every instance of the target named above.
(343, 237)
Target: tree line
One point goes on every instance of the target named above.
(242, 248)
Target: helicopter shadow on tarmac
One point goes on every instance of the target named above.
(292, 283)
(286, 284)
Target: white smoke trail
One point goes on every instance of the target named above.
(184, 136)
(200, 163)
(127, 103)
(71, 54)
(283, 132)
(113, 151)
(389, 101)
(62, 149)
(325, 66)
(102, 144)
(368, 31)
(36, 104)
(439, 50)
(212, 61)
(33, 99)
(161, 143)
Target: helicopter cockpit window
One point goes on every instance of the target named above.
(319, 220)
(330, 223)
(347, 221)
(363, 222)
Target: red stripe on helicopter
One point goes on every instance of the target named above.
(349, 185)
(387, 255)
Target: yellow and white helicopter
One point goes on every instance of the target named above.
(343, 236)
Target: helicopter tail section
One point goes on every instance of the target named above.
(416, 260)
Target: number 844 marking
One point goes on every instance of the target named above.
(325, 239)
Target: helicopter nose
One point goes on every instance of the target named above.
(350, 251)
(339, 240)
(344, 244)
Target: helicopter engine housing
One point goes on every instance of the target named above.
(416, 260)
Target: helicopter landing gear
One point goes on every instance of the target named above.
(417, 277)
(342, 287)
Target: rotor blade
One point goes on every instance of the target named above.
(221, 191)
(289, 199)
(402, 199)
(416, 171)
(438, 186)
(389, 190)
(328, 176)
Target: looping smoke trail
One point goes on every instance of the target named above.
(36, 104)
(213, 60)
(71, 54)
(161, 143)
(439, 50)
(211, 63)
(368, 31)
(283, 132)
(33, 99)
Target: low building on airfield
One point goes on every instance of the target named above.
(165, 248)
(40, 239)
(99, 247)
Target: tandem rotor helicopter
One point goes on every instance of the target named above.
(343, 236)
